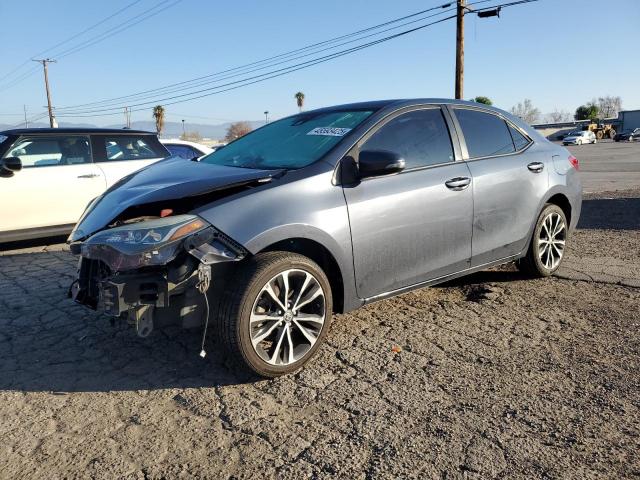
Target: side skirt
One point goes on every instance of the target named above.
(442, 279)
(33, 233)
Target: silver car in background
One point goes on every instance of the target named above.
(580, 138)
(320, 213)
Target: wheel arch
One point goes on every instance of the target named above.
(320, 255)
(562, 201)
(555, 197)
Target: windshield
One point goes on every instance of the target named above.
(575, 134)
(291, 143)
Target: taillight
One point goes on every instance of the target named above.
(574, 162)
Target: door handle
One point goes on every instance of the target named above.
(89, 175)
(536, 167)
(458, 183)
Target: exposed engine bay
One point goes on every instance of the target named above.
(152, 270)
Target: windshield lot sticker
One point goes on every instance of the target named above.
(329, 131)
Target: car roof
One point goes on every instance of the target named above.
(68, 131)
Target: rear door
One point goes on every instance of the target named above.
(57, 181)
(119, 155)
(416, 225)
(509, 179)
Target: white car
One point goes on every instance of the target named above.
(185, 149)
(49, 175)
(579, 137)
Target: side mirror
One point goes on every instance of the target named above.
(372, 163)
(10, 165)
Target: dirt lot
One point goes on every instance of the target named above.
(491, 376)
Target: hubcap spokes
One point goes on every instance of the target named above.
(551, 240)
(287, 317)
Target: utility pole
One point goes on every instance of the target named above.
(460, 49)
(127, 117)
(44, 63)
(184, 134)
(461, 10)
(26, 122)
(266, 116)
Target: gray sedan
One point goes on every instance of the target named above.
(321, 213)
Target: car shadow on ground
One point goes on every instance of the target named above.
(610, 213)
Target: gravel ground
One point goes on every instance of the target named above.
(494, 375)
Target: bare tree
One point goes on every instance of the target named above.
(191, 136)
(608, 106)
(558, 116)
(237, 130)
(526, 111)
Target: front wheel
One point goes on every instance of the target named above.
(547, 247)
(579, 142)
(275, 313)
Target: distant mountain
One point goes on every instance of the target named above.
(171, 129)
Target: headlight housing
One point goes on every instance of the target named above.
(141, 244)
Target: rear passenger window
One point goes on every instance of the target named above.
(484, 133)
(519, 140)
(421, 137)
(131, 147)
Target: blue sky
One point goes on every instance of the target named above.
(558, 53)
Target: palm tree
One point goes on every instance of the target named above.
(158, 114)
(299, 99)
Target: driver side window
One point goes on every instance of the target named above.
(421, 137)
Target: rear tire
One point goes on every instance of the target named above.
(256, 332)
(547, 246)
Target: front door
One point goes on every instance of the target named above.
(57, 181)
(416, 225)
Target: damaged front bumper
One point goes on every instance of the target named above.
(152, 271)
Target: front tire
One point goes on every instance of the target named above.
(547, 247)
(275, 313)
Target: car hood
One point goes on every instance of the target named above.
(173, 178)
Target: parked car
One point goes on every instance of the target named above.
(579, 138)
(186, 149)
(323, 212)
(49, 175)
(628, 135)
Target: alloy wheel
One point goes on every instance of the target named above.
(287, 317)
(551, 240)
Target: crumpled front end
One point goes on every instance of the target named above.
(153, 270)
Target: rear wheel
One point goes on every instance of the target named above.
(275, 313)
(547, 247)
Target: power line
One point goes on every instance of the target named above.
(268, 75)
(73, 37)
(269, 60)
(146, 14)
(115, 30)
(259, 78)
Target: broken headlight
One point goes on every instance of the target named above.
(141, 244)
